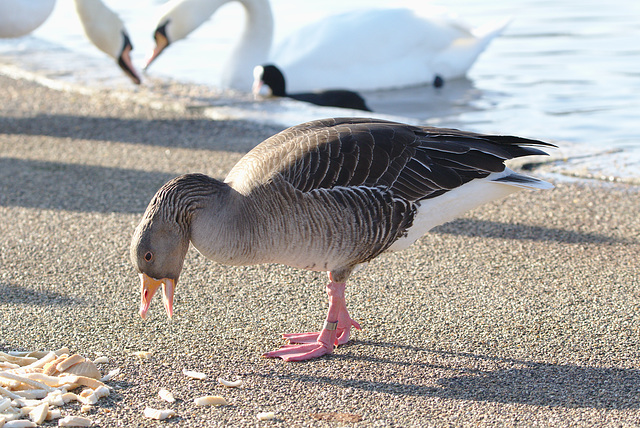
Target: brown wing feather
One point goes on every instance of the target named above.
(413, 162)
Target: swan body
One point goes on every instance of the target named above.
(361, 50)
(101, 25)
(328, 195)
(19, 17)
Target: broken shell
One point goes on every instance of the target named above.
(158, 414)
(193, 374)
(86, 368)
(109, 375)
(83, 380)
(143, 355)
(5, 403)
(102, 391)
(70, 361)
(50, 367)
(33, 383)
(265, 416)
(86, 408)
(21, 361)
(39, 413)
(8, 393)
(166, 395)
(50, 356)
(229, 384)
(20, 424)
(37, 394)
(62, 351)
(211, 400)
(101, 360)
(54, 414)
(74, 421)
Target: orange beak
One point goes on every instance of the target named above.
(149, 288)
(161, 43)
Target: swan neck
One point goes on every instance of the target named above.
(253, 47)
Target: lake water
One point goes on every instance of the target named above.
(564, 71)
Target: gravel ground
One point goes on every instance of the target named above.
(522, 313)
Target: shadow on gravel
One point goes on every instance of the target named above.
(72, 187)
(195, 133)
(15, 295)
(516, 381)
(87, 188)
(491, 229)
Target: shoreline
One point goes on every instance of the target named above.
(522, 312)
(571, 160)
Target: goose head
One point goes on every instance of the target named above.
(161, 239)
(158, 248)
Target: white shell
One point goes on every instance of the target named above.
(166, 395)
(85, 368)
(39, 413)
(265, 416)
(143, 355)
(74, 421)
(101, 360)
(109, 375)
(158, 414)
(70, 361)
(229, 384)
(22, 423)
(211, 400)
(193, 374)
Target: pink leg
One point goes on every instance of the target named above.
(336, 330)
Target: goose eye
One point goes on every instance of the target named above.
(148, 256)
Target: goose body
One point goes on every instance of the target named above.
(361, 50)
(269, 75)
(327, 195)
(19, 17)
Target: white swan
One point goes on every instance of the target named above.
(19, 18)
(101, 25)
(360, 50)
(107, 32)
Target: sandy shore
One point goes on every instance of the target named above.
(522, 313)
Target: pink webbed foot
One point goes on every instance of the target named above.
(322, 345)
(304, 346)
(343, 333)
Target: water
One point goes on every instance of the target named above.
(565, 71)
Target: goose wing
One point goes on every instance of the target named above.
(412, 162)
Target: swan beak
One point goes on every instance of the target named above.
(149, 288)
(125, 63)
(161, 43)
(256, 88)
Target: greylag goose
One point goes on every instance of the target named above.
(328, 195)
(368, 49)
(269, 75)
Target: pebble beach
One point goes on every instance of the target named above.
(524, 312)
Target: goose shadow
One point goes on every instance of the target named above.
(514, 382)
(90, 188)
(510, 231)
(15, 295)
(196, 133)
